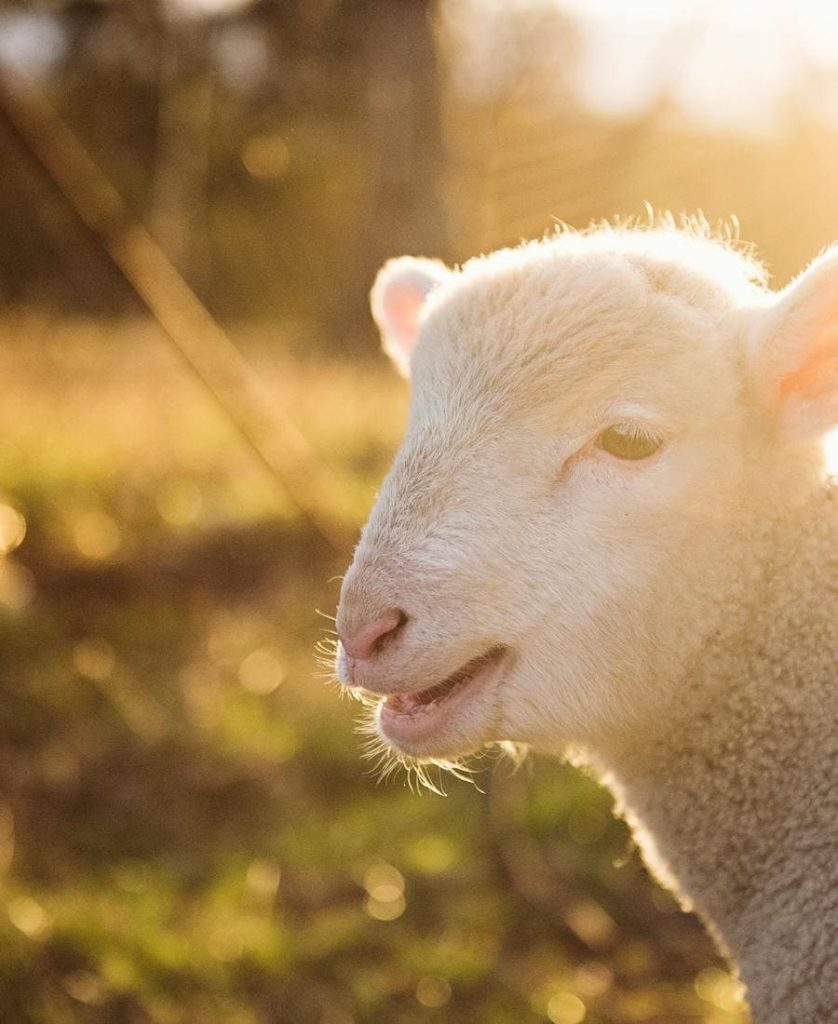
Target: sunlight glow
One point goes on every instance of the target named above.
(732, 65)
(204, 8)
(31, 41)
(739, 66)
(830, 445)
(12, 529)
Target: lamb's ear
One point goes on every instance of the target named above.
(400, 289)
(797, 354)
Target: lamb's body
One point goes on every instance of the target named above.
(609, 530)
(734, 798)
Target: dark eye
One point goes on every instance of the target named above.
(627, 441)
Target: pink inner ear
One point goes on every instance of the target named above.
(401, 308)
(818, 375)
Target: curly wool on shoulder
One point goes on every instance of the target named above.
(609, 534)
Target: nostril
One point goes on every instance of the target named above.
(369, 640)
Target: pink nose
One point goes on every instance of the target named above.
(368, 639)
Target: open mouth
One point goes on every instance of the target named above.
(409, 718)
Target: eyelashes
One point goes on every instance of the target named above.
(628, 441)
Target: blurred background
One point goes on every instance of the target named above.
(195, 196)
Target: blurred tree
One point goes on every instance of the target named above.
(178, 214)
(278, 152)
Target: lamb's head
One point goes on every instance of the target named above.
(593, 420)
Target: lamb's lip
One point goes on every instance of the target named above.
(415, 717)
(406, 703)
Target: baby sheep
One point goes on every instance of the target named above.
(609, 534)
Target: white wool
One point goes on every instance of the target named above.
(673, 619)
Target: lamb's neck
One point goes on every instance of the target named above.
(734, 799)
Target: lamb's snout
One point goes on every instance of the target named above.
(363, 640)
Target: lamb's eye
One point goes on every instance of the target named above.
(626, 441)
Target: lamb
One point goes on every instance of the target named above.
(609, 534)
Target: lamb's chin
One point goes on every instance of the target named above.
(451, 719)
(438, 745)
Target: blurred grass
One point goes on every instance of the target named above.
(187, 830)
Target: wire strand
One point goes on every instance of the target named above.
(203, 345)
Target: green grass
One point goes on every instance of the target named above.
(187, 830)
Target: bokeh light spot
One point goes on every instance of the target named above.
(384, 883)
(718, 988)
(382, 910)
(593, 979)
(566, 1008)
(180, 503)
(84, 987)
(94, 658)
(591, 923)
(433, 991)
(262, 879)
(96, 535)
(261, 672)
(266, 157)
(29, 917)
(12, 529)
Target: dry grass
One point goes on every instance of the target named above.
(187, 830)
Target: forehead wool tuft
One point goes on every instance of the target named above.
(689, 258)
(606, 309)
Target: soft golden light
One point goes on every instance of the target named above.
(385, 911)
(29, 917)
(830, 445)
(266, 157)
(593, 979)
(433, 991)
(94, 658)
(263, 879)
(728, 65)
(12, 529)
(84, 987)
(385, 888)
(566, 1008)
(717, 987)
(261, 672)
(384, 883)
(96, 535)
(590, 922)
(180, 503)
